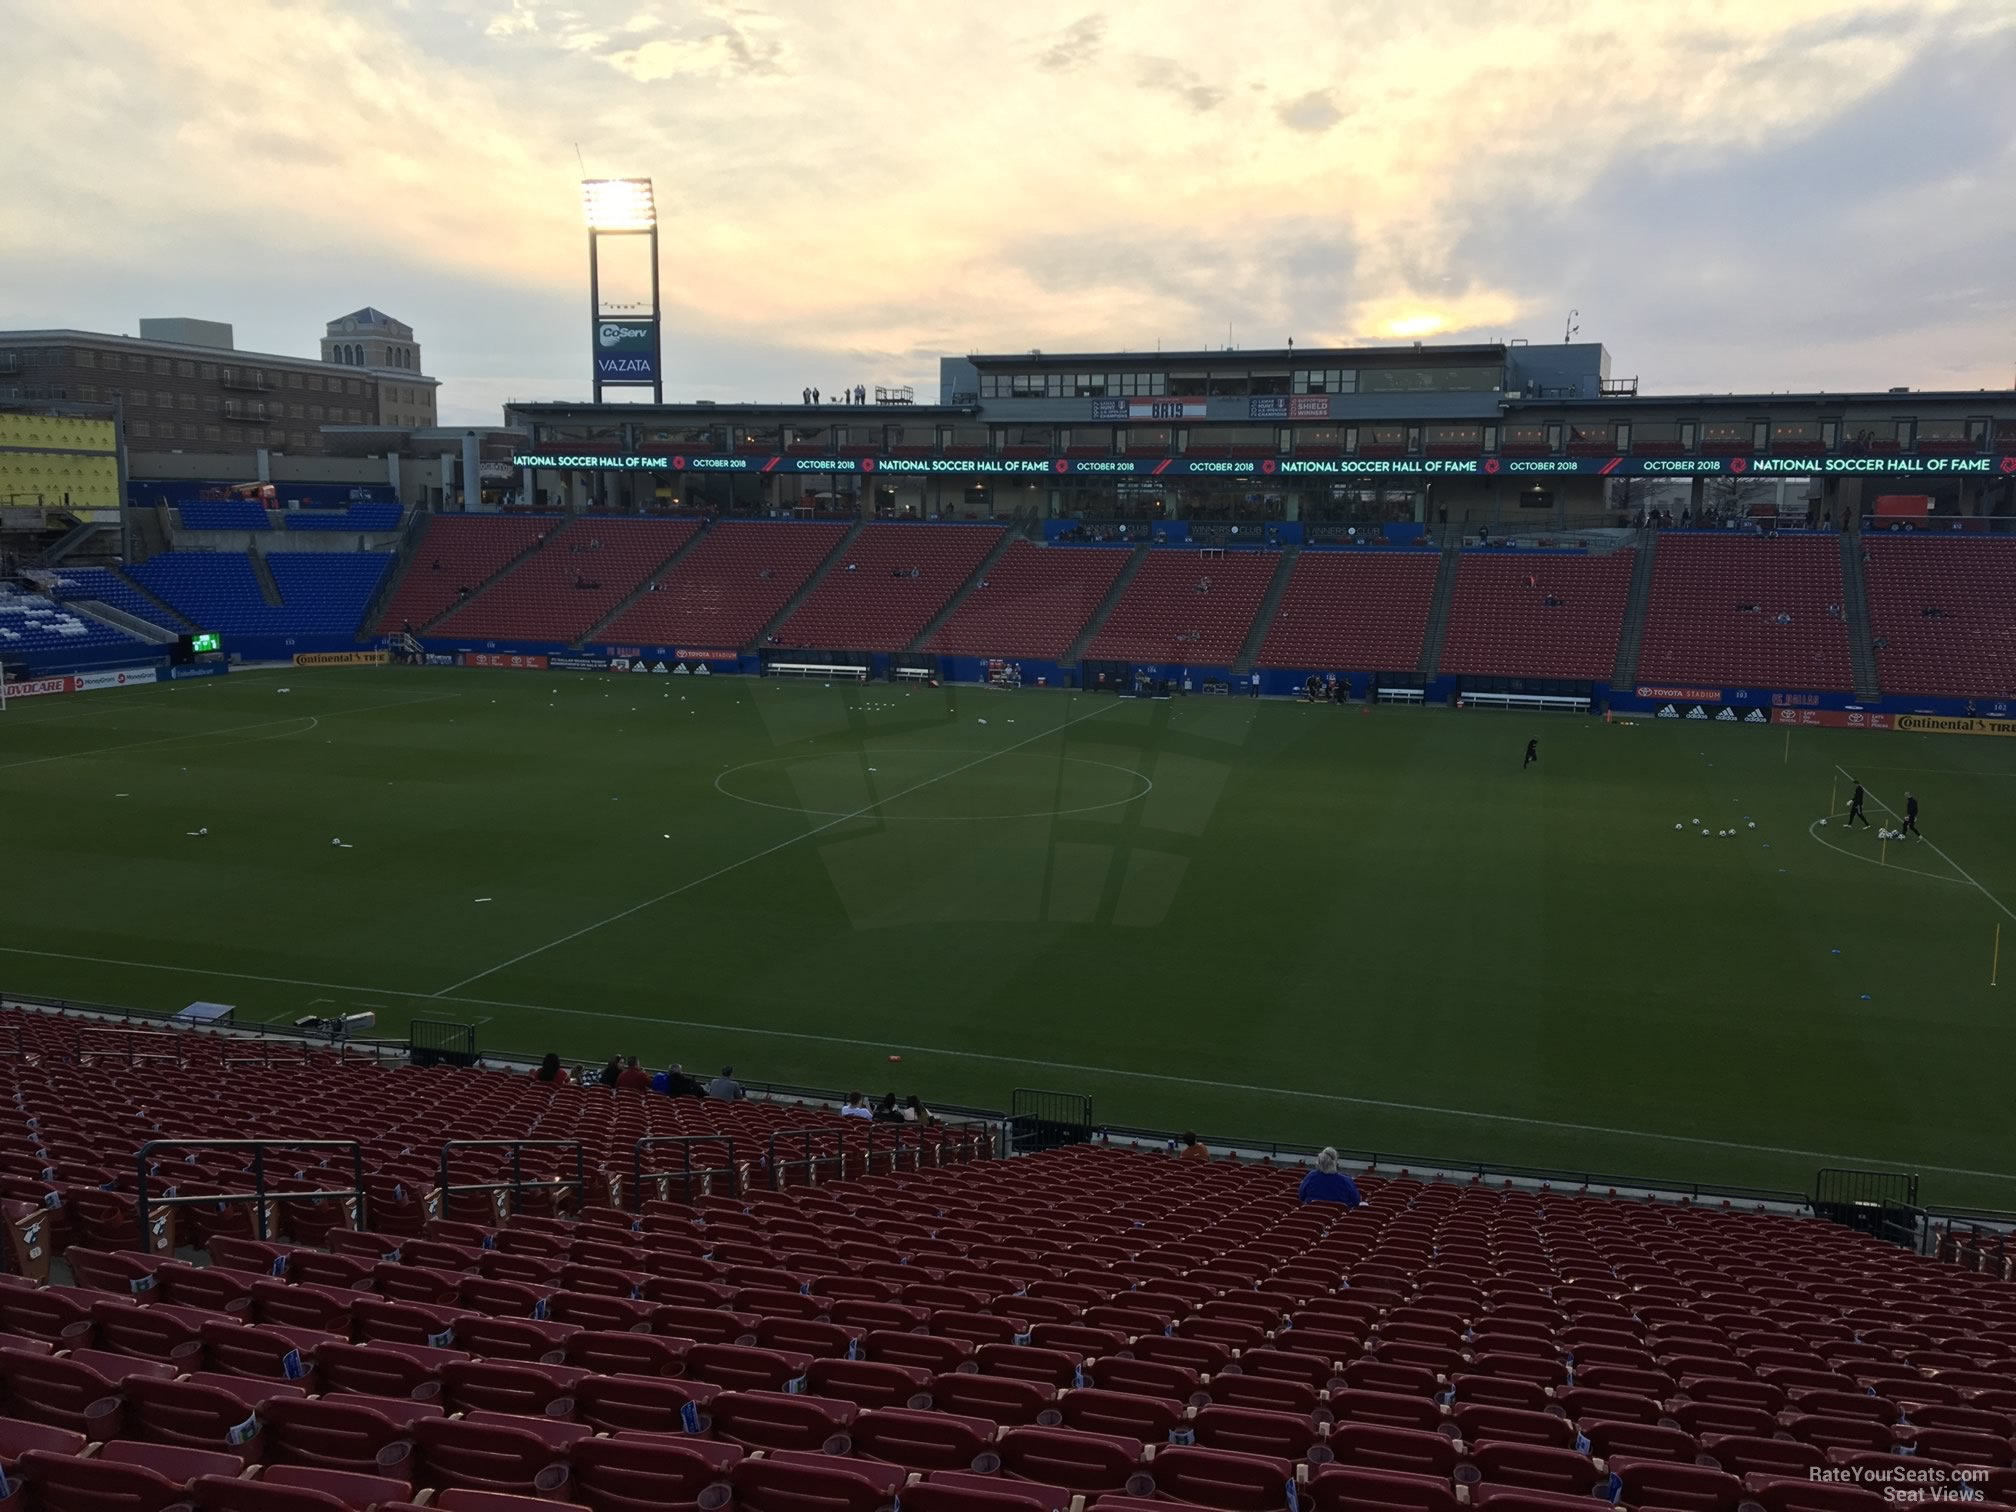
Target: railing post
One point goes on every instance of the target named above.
(140, 1201)
(357, 1180)
(517, 1175)
(259, 1188)
(580, 1179)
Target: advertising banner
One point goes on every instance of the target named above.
(1286, 467)
(41, 687)
(577, 663)
(124, 677)
(720, 656)
(626, 350)
(508, 659)
(1935, 724)
(1685, 695)
(342, 658)
(203, 669)
(1288, 407)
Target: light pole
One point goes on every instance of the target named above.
(625, 345)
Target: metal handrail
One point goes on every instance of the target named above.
(258, 1194)
(890, 1136)
(517, 1184)
(687, 1170)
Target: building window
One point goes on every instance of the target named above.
(185, 369)
(139, 428)
(113, 362)
(315, 383)
(188, 433)
(187, 402)
(233, 435)
(164, 401)
(315, 412)
(354, 386)
(161, 366)
(1719, 435)
(88, 394)
(1187, 385)
(294, 380)
(210, 433)
(1228, 385)
(300, 439)
(207, 371)
(210, 404)
(1554, 437)
(1760, 434)
(87, 359)
(1490, 438)
(1323, 381)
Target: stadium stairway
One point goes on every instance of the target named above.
(1113, 596)
(1855, 605)
(263, 575)
(1625, 673)
(419, 552)
(644, 587)
(1265, 617)
(1438, 613)
(837, 554)
(146, 604)
(1015, 532)
(119, 619)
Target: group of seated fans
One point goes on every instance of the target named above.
(791, 1313)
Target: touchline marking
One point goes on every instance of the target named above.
(1937, 852)
(817, 829)
(264, 724)
(1041, 1065)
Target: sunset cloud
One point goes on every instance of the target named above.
(1805, 193)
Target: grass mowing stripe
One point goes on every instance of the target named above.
(786, 844)
(1937, 851)
(1340, 1098)
(134, 745)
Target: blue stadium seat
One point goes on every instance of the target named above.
(225, 514)
(106, 586)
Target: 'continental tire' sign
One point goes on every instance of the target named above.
(1939, 724)
(342, 658)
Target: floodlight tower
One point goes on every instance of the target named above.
(625, 345)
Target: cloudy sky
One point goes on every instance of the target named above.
(1749, 195)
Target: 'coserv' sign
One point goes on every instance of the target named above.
(626, 351)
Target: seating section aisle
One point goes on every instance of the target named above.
(328, 591)
(107, 586)
(1356, 610)
(36, 629)
(457, 552)
(225, 514)
(896, 577)
(1034, 602)
(721, 594)
(1537, 615)
(1717, 605)
(364, 517)
(582, 572)
(1946, 614)
(323, 593)
(1187, 609)
(972, 1335)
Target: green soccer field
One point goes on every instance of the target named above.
(1255, 919)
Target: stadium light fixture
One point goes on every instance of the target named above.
(624, 204)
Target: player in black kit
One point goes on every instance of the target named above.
(1532, 754)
